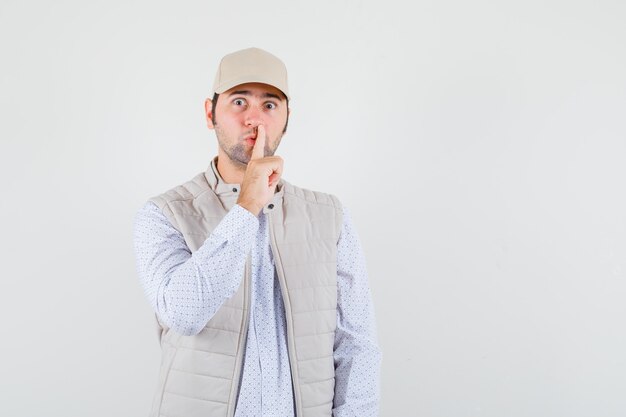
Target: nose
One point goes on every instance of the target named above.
(253, 117)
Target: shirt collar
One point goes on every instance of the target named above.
(224, 189)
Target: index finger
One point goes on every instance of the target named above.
(259, 144)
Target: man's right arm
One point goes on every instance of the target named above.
(186, 289)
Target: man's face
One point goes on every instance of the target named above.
(238, 113)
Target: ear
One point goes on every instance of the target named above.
(208, 103)
(287, 121)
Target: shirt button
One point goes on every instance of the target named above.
(234, 189)
(271, 206)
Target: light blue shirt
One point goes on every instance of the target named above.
(186, 289)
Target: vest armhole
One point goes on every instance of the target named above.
(338, 215)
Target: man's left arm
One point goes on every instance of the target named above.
(356, 351)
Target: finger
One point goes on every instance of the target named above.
(277, 171)
(274, 178)
(259, 144)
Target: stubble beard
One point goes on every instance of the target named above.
(238, 152)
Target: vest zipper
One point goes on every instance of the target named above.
(289, 319)
(244, 334)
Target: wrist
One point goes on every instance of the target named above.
(252, 208)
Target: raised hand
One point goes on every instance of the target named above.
(261, 176)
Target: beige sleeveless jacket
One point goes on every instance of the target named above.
(200, 374)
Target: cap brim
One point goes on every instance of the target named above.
(227, 85)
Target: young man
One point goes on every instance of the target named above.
(259, 287)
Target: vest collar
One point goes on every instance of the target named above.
(225, 190)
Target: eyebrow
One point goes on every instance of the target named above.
(248, 93)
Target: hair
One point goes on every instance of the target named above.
(214, 104)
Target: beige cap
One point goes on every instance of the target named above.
(252, 65)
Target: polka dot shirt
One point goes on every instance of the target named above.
(186, 289)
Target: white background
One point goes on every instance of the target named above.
(480, 146)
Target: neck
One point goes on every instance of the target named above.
(231, 172)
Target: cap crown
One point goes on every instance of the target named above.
(251, 65)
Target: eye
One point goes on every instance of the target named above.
(270, 106)
(239, 102)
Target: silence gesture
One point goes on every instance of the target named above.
(261, 176)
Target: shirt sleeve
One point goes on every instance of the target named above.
(186, 289)
(356, 352)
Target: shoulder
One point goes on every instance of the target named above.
(189, 190)
(306, 195)
(315, 206)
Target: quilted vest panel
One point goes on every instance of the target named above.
(199, 375)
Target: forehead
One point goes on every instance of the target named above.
(255, 89)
